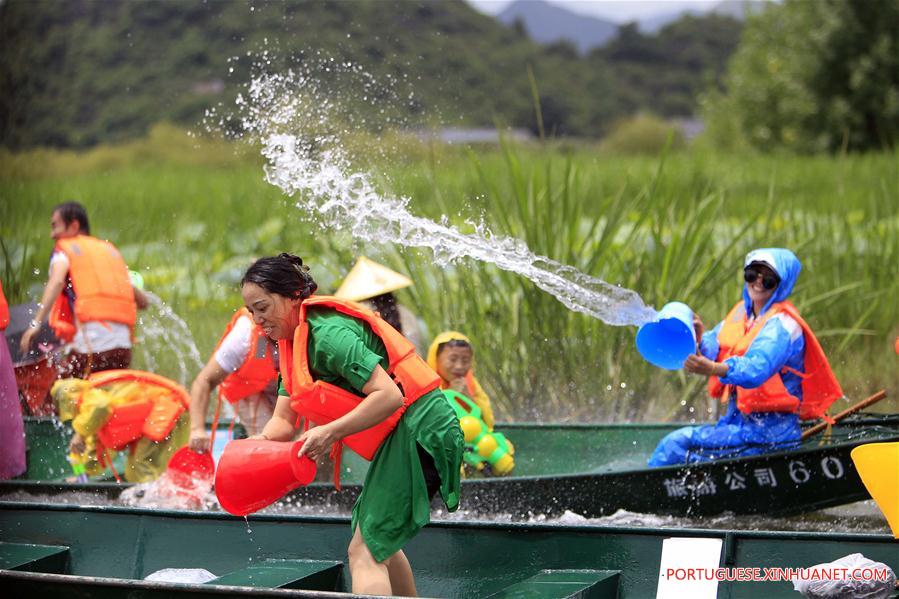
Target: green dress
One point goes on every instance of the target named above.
(393, 505)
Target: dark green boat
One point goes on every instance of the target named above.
(592, 470)
(103, 552)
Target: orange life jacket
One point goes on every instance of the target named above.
(101, 284)
(256, 372)
(153, 417)
(322, 402)
(819, 385)
(4, 310)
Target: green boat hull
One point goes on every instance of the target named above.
(106, 552)
(595, 470)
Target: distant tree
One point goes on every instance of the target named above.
(816, 76)
(665, 73)
(82, 72)
(520, 28)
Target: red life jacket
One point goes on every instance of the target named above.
(322, 402)
(101, 284)
(819, 385)
(257, 370)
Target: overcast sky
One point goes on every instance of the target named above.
(619, 11)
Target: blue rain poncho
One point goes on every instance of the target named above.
(780, 343)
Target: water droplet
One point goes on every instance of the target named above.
(37, 271)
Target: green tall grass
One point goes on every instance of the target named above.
(672, 228)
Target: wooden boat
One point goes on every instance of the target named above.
(592, 470)
(106, 552)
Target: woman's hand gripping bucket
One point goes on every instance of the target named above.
(667, 341)
(254, 473)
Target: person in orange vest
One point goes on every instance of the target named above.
(12, 429)
(89, 298)
(139, 413)
(765, 362)
(360, 381)
(244, 367)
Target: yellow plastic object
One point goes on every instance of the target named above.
(504, 465)
(487, 445)
(878, 467)
(471, 428)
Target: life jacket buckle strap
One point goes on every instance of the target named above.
(336, 457)
(802, 375)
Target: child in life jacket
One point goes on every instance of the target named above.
(452, 357)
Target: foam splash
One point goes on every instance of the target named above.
(172, 493)
(298, 126)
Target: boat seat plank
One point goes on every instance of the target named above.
(47, 559)
(304, 574)
(559, 584)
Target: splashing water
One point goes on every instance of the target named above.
(292, 118)
(172, 493)
(165, 333)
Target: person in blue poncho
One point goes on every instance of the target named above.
(765, 362)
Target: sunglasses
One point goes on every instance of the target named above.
(769, 282)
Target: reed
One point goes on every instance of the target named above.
(672, 228)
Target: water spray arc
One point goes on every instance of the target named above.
(284, 114)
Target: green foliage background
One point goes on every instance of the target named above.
(81, 72)
(811, 77)
(191, 213)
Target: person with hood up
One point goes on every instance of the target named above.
(452, 357)
(765, 362)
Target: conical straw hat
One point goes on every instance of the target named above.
(369, 279)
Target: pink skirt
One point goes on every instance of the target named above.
(12, 431)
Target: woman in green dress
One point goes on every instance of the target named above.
(351, 350)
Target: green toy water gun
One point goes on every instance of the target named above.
(483, 447)
(78, 468)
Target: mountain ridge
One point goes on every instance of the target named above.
(548, 23)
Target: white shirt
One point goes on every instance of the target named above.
(235, 347)
(95, 336)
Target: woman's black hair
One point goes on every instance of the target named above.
(72, 211)
(385, 305)
(284, 274)
(454, 343)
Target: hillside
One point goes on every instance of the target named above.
(77, 73)
(547, 23)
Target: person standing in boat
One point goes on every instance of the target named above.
(765, 362)
(12, 428)
(244, 367)
(89, 297)
(343, 367)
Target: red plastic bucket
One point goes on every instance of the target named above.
(254, 473)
